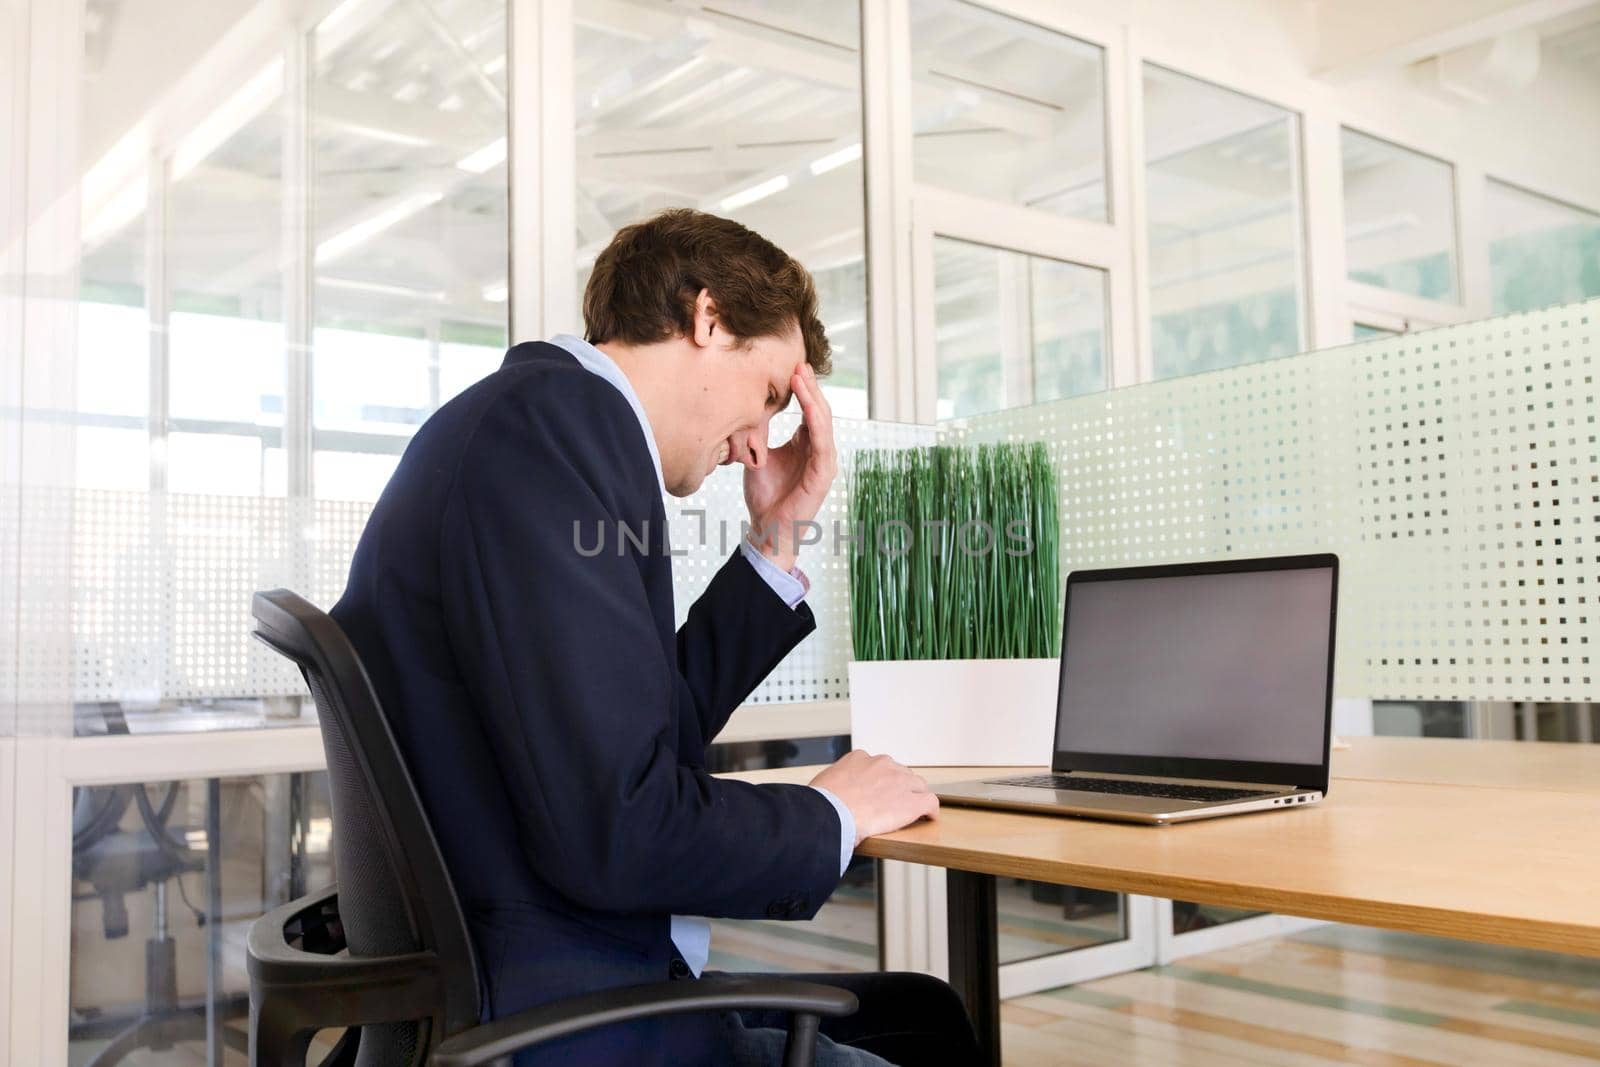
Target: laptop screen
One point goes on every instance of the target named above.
(1225, 666)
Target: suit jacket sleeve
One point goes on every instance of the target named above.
(720, 650)
(568, 672)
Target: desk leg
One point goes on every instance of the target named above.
(975, 955)
(214, 1036)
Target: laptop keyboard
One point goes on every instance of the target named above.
(1127, 788)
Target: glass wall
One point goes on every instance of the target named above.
(1399, 218)
(1541, 251)
(752, 114)
(115, 334)
(225, 340)
(166, 880)
(1014, 329)
(1226, 237)
(1027, 102)
(292, 235)
(409, 225)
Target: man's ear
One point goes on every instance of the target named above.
(705, 319)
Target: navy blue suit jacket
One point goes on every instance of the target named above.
(554, 723)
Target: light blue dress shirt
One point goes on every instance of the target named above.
(690, 933)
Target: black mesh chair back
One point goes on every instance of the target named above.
(408, 990)
(394, 894)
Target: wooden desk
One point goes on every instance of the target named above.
(1539, 765)
(1495, 860)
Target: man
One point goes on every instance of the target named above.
(554, 723)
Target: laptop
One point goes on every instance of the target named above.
(1187, 692)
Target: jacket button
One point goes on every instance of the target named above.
(678, 968)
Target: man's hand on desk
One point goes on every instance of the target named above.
(881, 794)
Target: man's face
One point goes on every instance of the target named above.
(727, 397)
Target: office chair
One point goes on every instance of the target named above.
(117, 863)
(409, 989)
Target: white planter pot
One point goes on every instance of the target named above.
(956, 712)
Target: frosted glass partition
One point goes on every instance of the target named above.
(1454, 472)
(161, 586)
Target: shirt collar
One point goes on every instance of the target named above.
(597, 362)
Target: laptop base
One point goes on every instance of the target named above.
(1150, 811)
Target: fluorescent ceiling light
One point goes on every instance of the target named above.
(497, 293)
(378, 133)
(495, 65)
(837, 159)
(369, 228)
(756, 192)
(406, 291)
(211, 132)
(490, 155)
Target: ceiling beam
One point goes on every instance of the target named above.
(1356, 38)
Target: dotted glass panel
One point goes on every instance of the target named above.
(161, 583)
(10, 542)
(42, 663)
(1453, 471)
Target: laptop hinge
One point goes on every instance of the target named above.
(1178, 780)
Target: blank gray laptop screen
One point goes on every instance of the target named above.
(1205, 666)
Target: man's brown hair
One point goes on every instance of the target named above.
(645, 283)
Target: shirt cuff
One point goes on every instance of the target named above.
(847, 829)
(791, 586)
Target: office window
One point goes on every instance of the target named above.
(753, 115)
(466, 361)
(1007, 110)
(226, 402)
(224, 251)
(1541, 251)
(112, 443)
(112, 446)
(1399, 218)
(409, 208)
(1014, 329)
(1225, 234)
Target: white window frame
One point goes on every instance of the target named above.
(1368, 303)
(1106, 246)
(958, 216)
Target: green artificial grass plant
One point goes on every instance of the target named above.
(956, 553)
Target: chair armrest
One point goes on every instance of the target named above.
(373, 988)
(314, 918)
(502, 1037)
